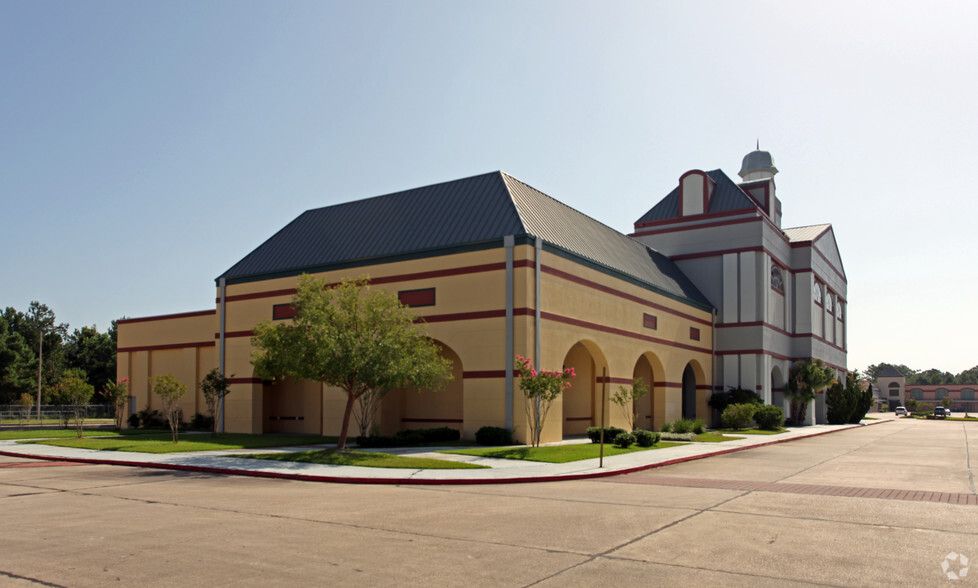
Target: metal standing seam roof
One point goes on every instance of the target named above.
(804, 234)
(727, 195)
(453, 214)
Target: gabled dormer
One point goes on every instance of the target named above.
(695, 190)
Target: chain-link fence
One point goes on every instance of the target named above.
(15, 414)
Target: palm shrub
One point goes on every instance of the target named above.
(807, 377)
(769, 417)
(738, 416)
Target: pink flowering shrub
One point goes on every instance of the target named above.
(540, 388)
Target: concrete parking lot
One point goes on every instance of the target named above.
(870, 506)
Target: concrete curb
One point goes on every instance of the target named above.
(398, 481)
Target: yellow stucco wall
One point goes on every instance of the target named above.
(589, 319)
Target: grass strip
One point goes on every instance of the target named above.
(53, 434)
(754, 431)
(556, 453)
(366, 459)
(714, 437)
(162, 443)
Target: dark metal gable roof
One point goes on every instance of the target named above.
(442, 215)
(727, 195)
(454, 214)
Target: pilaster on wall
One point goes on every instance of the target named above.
(748, 287)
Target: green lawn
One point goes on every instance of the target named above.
(161, 442)
(53, 434)
(367, 459)
(754, 431)
(555, 453)
(714, 437)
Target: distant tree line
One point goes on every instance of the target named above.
(85, 353)
(931, 377)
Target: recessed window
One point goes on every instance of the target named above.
(777, 280)
(967, 394)
(917, 394)
(283, 311)
(694, 333)
(828, 302)
(817, 293)
(650, 321)
(838, 310)
(940, 393)
(424, 297)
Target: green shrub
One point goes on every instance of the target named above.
(682, 426)
(738, 416)
(411, 437)
(667, 427)
(721, 400)
(201, 422)
(769, 417)
(494, 436)
(625, 440)
(699, 426)
(594, 434)
(646, 438)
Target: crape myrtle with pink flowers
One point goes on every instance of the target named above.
(541, 388)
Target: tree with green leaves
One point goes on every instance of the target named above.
(806, 378)
(75, 391)
(24, 405)
(88, 349)
(351, 337)
(946, 402)
(169, 391)
(540, 388)
(116, 395)
(628, 397)
(215, 387)
(874, 370)
(18, 364)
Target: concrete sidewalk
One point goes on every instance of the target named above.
(500, 471)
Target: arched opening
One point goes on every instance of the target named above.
(650, 411)
(689, 393)
(777, 388)
(292, 406)
(418, 408)
(579, 400)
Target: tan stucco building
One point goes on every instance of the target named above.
(495, 268)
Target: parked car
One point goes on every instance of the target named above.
(941, 413)
(901, 411)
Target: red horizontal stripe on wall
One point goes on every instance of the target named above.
(458, 271)
(604, 329)
(460, 316)
(165, 317)
(423, 297)
(686, 220)
(162, 347)
(486, 374)
(608, 290)
(703, 386)
(610, 380)
(233, 334)
(587, 418)
(431, 420)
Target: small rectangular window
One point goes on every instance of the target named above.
(424, 297)
(694, 333)
(650, 321)
(283, 311)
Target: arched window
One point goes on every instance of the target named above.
(838, 310)
(894, 389)
(917, 394)
(817, 293)
(777, 280)
(967, 394)
(828, 302)
(940, 393)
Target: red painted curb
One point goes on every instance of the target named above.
(411, 481)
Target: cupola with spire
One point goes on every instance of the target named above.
(757, 165)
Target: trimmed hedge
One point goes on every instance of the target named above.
(769, 417)
(410, 437)
(738, 416)
(494, 436)
(610, 433)
(625, 440)
(646, 438)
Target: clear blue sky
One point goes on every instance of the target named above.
(147, 146)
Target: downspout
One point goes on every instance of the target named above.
(222, 284)
(509, 242)
(536, 304)
(713, 340)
